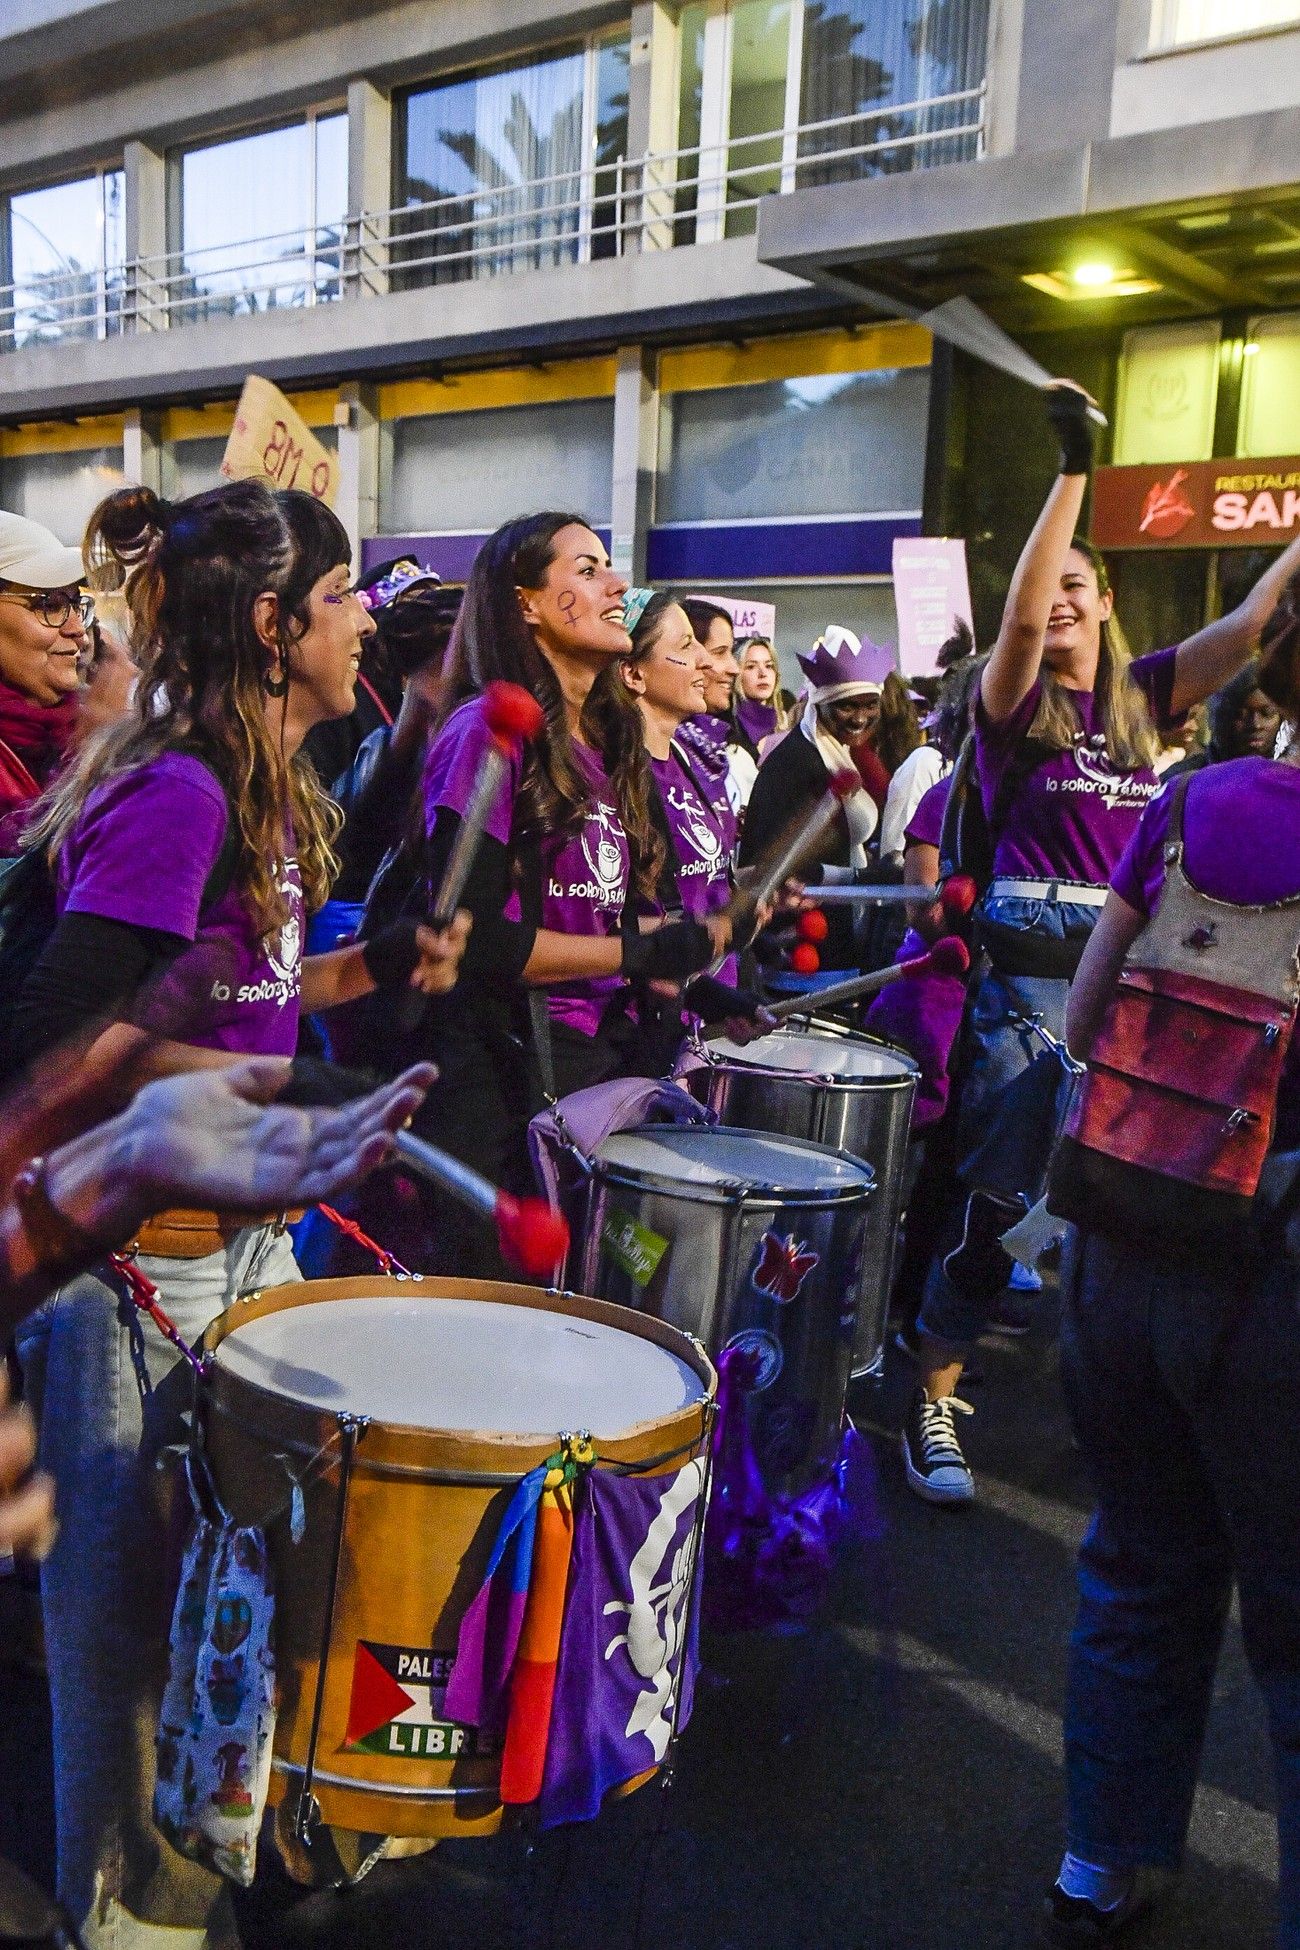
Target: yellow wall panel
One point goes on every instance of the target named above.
(62, 437)
(797, 355)
(471, 392)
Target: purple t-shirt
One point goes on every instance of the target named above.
(141, 852)
(925, 827)
(703, 881)
(704, 738)
(1072, 817)
(585, 874)
(1241, 837)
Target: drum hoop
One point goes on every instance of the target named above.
(734, 1191)
(844, 1033)
(817, 1079)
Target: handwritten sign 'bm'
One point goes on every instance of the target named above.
(270, 441)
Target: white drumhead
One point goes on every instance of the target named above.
(810, 1052)
(431, 1363)
(695, 1154)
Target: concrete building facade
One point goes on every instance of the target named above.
(663, 263)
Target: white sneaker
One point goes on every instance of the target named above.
(936, 1468)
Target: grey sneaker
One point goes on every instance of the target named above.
(1073, 1923)
(936, 1468)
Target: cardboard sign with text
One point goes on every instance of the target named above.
(1202, 504)
(270, 441)
(931, 593)
(748, 618)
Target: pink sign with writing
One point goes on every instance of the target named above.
(931, 594)
(749, 618)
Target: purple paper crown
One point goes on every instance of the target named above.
(840, 659)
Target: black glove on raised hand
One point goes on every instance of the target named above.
(670, 954)
(391, 955)
(714, 1001)
(1067, 409)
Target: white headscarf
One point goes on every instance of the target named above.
(859, 807)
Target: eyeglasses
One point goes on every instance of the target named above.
(55, 606)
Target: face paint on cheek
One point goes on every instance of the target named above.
(679, 663)
(568, 603)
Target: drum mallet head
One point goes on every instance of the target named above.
(512, 714)
(804, 958)
(812, 925)
(534, 1236)
(958, 897)
(950, 956)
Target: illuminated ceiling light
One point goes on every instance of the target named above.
(1249, 351)
(1095, 274)
(1065, 285)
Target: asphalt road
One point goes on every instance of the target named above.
(888, 1781)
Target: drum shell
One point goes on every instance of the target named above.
(414, 1549)
(703, 1284)
(867, 1117)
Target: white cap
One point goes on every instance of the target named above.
(31, 555)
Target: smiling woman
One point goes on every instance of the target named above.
(43, 621)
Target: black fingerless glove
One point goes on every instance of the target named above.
(313, 1083)
(715, 1001)
(1067, 410)
(391, 955)
(670, 954)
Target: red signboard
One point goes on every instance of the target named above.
(1200, 504)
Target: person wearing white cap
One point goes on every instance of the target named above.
(43, 623)
(845, 678)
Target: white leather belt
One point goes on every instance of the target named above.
(1075, 893)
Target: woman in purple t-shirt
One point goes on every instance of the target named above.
(568, 848)
(185, 842)
(1065, 748)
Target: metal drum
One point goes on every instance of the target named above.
(407, 1412)
(836, 1087)
(747, 1241)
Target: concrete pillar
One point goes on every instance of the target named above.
(1079, 41)
(651, 125)
(145, 225)
(143, 460)
(370, 187)
(357, 420)
(636, 447)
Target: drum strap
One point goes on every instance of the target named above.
(540, 1017)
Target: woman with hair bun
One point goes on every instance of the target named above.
(569, 850)
(185, 844)
(1065, 748)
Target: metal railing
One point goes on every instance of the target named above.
(654, 202)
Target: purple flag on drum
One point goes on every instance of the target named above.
(628, 1649)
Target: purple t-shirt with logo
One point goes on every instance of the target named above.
(704, 738)
(1072, 817)
(585, 874)
(703, 881)
(141, 853)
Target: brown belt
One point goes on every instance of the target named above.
(182, 1234)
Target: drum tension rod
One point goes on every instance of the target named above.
(307, 1814)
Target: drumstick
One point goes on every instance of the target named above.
(950, 956)
(512, 715)
(956, 896)
(793, 847)
(533, 1235)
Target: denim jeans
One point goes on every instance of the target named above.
(1176, 1379)
(1012, 1100)
(115, 1394)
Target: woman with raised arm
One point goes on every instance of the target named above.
(184, 845)
(1065, 731)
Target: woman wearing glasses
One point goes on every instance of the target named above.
(43, 623)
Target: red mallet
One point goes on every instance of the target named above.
(795, 845)
(512, 715)
(812, 925)
(533, 1236)
(804, 958)
(950, 956)
(958, 896)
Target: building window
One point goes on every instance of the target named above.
(261, 220)
(1176, 23)
(466, 473)
(1270, 387)
(832, 444)
(511, 169)
(59, 489)
(61, 252)
(1168, 389)
(779, 94)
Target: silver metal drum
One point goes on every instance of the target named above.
(836, 1087)
(747, 1241)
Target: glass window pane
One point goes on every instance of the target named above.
(690, 111)
(466, 473)
(1168, 386)
(610, 142)
(760, 44)
(837, 444)
(1270, 393)
(875, 67)
(60, 490)
(500, 156)
(248, 242)
(66, 252)
(1174, 22)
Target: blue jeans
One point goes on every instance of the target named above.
(114, 1394)
(1012, 1100)
(1175, 1378)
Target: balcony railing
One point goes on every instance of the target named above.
(654, 202)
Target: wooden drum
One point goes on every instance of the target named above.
(383, 1424)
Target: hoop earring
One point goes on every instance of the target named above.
(276, 686)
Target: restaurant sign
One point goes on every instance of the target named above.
(1201, 504)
